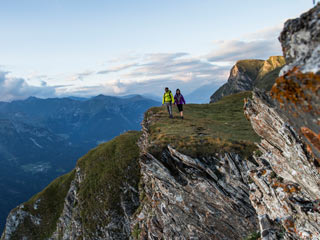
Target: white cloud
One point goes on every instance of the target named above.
(258, 45)
(237, 50)
(12, 88)
(117, 68)
(150, 73)
(266, 33)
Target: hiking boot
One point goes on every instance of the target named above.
(170, 116)
(181, 117)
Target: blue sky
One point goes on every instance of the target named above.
(84, 48)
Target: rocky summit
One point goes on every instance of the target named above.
(244, 167)
(246, 75)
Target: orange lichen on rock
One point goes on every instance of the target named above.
(312, 137)
(289, 225)
(263, 172)
(288, 188)
(297, 88)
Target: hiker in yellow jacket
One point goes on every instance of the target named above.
(168, 100)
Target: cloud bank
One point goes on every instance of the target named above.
(235, 50)
(150, 73)
(12, 88)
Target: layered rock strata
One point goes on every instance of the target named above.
(193, 198)
(285, 188)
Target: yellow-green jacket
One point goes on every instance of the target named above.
(167, 97)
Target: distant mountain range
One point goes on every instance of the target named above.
(41, 139)
(246, 75)
(201, 94)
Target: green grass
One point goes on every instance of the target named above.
(253, 236)
(106, 169)
(206, 129)
(50, 206)
(136, 231)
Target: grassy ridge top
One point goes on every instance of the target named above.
(206, 129)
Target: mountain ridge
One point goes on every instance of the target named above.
(42, 138)
(87, 205)
(248, 74)
(204, 177)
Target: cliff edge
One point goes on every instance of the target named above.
(285, 188)
(175, 179)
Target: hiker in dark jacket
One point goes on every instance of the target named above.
(179, 100)
(168, 100)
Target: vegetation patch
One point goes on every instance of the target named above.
(107, 169)
(136, 231)
(253, 236)
(47, 206)
(205, 130)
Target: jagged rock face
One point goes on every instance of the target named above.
(285, 186)
(245, 75)
(298, 90)
(193, 198)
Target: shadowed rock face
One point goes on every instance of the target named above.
(286, 185)
(200, 198)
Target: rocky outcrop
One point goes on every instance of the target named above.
(116, 226)
(245, 75)
(170, 186)
(301, 43)
(95, 201)
(193, 198)
(285, 188)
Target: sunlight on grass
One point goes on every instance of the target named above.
(206, 129)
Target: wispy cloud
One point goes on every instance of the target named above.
(118, 68)
(82, 75)
(236, 50)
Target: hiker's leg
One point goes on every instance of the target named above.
(180, 107)
(170, 109)
(167, 104)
